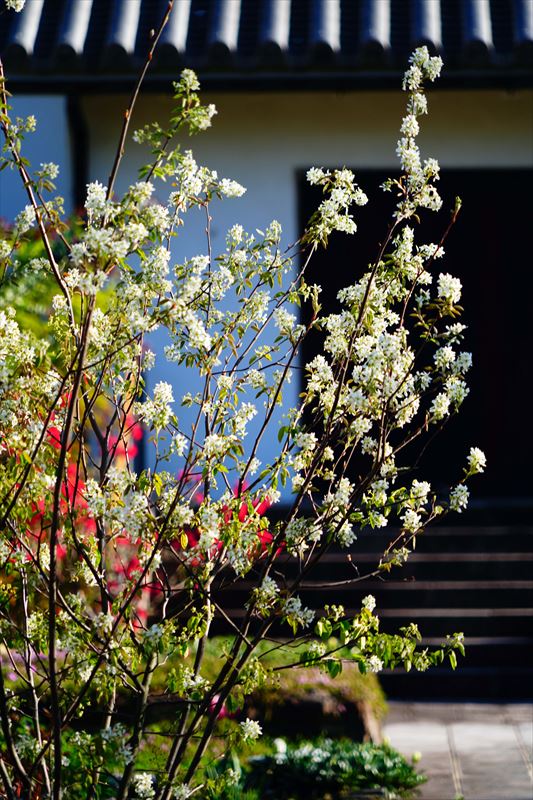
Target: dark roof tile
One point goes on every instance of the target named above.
(281, 41)
(72, 35)
(427, 25)
(174, 36)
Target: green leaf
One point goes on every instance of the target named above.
(333, 667)
(323, 628)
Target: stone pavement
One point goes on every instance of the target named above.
(470, 751)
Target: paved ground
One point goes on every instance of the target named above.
(471, 751)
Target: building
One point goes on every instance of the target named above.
(299, 83)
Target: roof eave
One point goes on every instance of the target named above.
(278, 81)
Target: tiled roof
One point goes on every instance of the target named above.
(274, 42)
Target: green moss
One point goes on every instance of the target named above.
(302, 682)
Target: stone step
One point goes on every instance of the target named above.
(482, 684)
(397, 594)
(496, 651)
(428, 593)
(426, 566)
(492, 622)
(420, 556)
(477, 580)
(449, 539)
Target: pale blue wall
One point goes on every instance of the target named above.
(50, 142)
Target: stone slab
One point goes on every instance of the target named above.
(469, 751)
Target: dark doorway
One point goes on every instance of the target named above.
(489, 250)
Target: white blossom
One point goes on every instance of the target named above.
(38, 264)
(231, 188)
(205, 121)
(411, 520)
(295, 614)
(315, 175)
(273, 232)
(459, 498)
(266, 594)
(369, 602)
(449, 288)
(241, 418)
(285, 321)
(225, 383)
(157, 412)
(25, 220)
(440, 407)
(374, 664)
(456, 390)
(300, 534)
(422, 65)
(409, 155)
(157, 218)
(420, 491)
(454, 332)
(346, 534)
(49, 170)
(462, 363)
(182, 516)
(410, 126)
(444, 357)
(153, 635)
(256, 379)
(413, 78)
(16, 5)
(182, 791)
(5, 249)
(215, 445)
(143, 786)
(477, 461)
(96, 197)
(190, 80)
(419, 104)
(341, 497)
(178, 444)
(235, 234)
(142, 191)
(250, 730)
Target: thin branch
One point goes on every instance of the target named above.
(133, 99)
(28, 184)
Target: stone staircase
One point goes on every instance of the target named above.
(478, 580)
(475, 579)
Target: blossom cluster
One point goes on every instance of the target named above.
(333, 213)
(417, 189)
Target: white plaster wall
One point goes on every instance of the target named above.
(50, 142)
(262, 140)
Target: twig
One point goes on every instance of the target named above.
(133, 99)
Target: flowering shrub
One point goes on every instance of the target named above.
(331, 768)
(111, 575)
